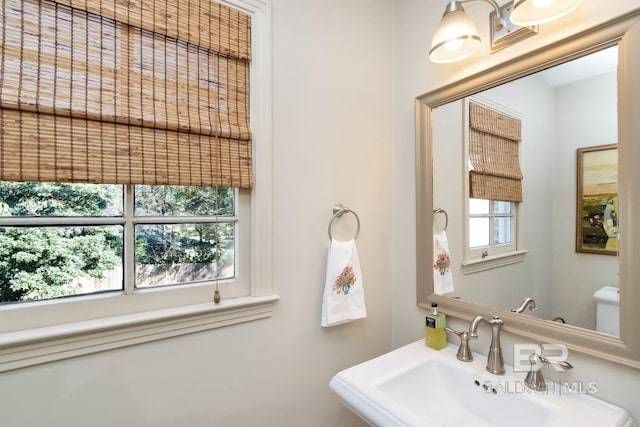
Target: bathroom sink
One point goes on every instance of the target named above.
(417, 386)
(455, 397)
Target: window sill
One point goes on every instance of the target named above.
(495, 261)
(43, 345)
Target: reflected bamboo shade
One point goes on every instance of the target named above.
(493, 153)
(137, 92)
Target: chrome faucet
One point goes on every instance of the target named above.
(534, 379)
(528, 302)
(495, 362)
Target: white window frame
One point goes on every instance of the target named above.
(493, 248)
(496, 255)
(83, 325)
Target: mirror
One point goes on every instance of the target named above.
(580, 337)
(562, 109)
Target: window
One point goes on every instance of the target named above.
(492, 227)
(494, 186)
(59, 239)
(153, 129)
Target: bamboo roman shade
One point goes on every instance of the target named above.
(125, 92)
(493, 152)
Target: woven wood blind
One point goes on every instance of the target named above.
(493, 152)
(136, 92)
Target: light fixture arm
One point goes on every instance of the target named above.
(500, 23)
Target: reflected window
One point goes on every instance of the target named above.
(494, 181)
(492, 227)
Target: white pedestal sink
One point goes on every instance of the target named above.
(417, 386)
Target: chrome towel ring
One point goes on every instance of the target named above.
(446, 217)
(338, 211)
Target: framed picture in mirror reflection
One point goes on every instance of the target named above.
(597, 200)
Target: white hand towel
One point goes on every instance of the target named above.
(442, 278)
(343, 299)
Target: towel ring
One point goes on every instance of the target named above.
(446, 217)
(338, 211)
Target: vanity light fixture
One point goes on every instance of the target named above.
(456, 36)
(534, 12)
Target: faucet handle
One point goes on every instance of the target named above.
(464, 335)
(534, 379)
(464, 352)
(453, 331)
(562, 364)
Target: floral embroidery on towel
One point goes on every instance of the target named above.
(442, 263)
(345, 281)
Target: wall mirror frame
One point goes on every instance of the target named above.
(623, 31)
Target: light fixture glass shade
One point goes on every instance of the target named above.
(455, 38)
(526, 13)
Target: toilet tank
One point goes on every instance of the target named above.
(608, 310)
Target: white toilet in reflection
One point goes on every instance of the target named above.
(608, 310)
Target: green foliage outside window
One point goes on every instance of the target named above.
(41, 262)
(44, 262)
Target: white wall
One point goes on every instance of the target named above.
(415, 21)
(332, 143)
(586, 117)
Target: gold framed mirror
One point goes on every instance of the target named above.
(624, 32)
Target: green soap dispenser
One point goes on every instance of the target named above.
(434, 334)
